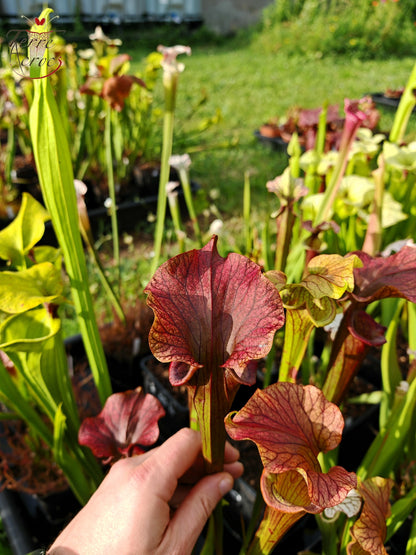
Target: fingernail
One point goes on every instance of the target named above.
(226, 484)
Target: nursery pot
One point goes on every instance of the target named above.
(33, 521)
(134, 203)
(14, 519)
(273, 141)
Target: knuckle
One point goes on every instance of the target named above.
(144, 473)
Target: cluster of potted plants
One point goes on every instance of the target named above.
(282, 348)
(110, 120)
(305, 122)
(91, 90)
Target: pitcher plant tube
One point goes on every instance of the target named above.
(212, 316)
(378, 278)
(171, 70)
(291, 424)
(354, 117)
(311, 303)
(54, 166)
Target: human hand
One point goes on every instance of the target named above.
(155, 503)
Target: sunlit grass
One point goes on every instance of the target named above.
(250, 85)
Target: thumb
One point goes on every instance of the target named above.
(191, 517)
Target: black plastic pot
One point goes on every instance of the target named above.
(15, 523)
(32, 521)
(124, 375)
(386, 101)
(276, 143)
(130, 214)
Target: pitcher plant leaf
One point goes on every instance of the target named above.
(24, 231)
(364, 327)
(209, 308)
(291, 424)
(330, 275)
(393, 276)
(26, 289)
(369, 531)
(126, 425)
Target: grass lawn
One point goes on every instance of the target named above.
(249, 85)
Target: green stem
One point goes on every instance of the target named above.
(9, 416)
(211, 405)
(285, 222)
(193, 416)
(329, 536)
(86, 463)
(176, 218)
(14, 400)
(29, 368)
(53, 161)
(400, 511)
(80, 138)
(373, 236)
(112, 192)
(103, 278)
(389, 445)
(168, 120)
(390, 370)
(345, 536)
(74, 473)
(272, 528)
(187, 192)
(321, 134)
(308, 365)
(54, 354)
(325, 208)
(10, 154)
(298, 331)
(411, 308)
(78, 461)
(254, 520)
(351, 126)
(404, 110)
(411, 542)
(246, 213)
(265, 246)
(85, 459)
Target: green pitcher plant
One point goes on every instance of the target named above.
(53, 162)
(31, 338)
